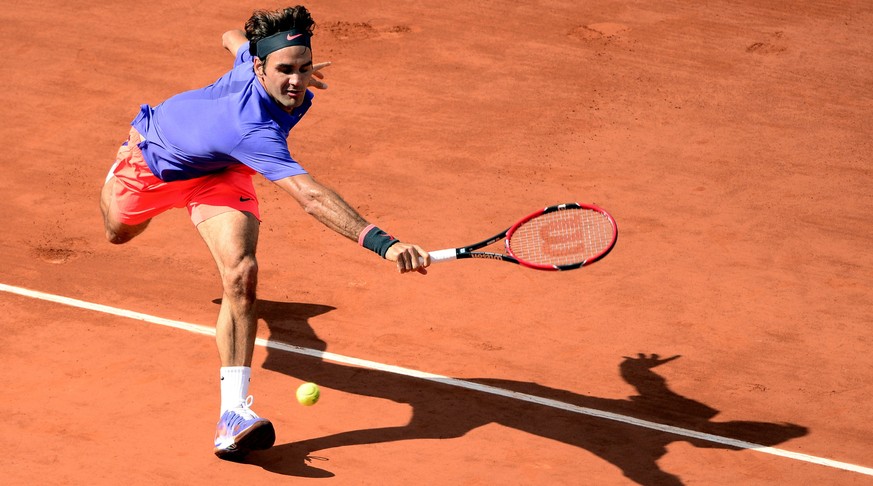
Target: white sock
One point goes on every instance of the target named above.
(234, 386)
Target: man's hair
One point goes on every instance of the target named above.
(264, 23)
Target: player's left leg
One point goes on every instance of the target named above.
(232, 239)
(116, 231)
(126, 210)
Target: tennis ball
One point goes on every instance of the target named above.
(307, 394)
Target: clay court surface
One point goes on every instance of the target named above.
(731, 140)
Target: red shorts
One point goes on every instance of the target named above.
(137, 195)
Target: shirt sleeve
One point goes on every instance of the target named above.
(242, 55)
(267, 153)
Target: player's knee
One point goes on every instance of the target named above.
(240, 280)
(118, 234)
(117, 238)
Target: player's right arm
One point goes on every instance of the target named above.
(330, 209)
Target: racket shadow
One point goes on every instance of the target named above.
(442, 411)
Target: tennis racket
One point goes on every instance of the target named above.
(561, 237)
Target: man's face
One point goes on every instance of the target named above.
(286, 75)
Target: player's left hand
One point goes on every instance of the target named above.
(408, 257)
(317, 76)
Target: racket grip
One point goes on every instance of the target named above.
(438, 256)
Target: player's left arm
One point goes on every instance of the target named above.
(232, 40)
(331, 210)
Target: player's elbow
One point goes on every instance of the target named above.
(309, 194)
(232, 40)
(310, 200)
(225, 39)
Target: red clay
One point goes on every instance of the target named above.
(730, 140)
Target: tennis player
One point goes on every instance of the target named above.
(199, 150)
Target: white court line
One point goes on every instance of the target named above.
(363, 363)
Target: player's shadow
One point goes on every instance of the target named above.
(441, 411)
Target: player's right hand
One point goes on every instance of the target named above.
(408, 257)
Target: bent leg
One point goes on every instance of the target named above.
(127, 197)
(232, 239)
(116, 231)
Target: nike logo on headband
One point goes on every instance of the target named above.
(292, 37)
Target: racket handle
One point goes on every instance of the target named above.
(438, 256)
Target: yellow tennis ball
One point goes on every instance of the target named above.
(307, 394)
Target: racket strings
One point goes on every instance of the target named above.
(562, 237)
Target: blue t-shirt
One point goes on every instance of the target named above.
(232, 121)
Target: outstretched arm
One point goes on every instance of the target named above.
(331, 210)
